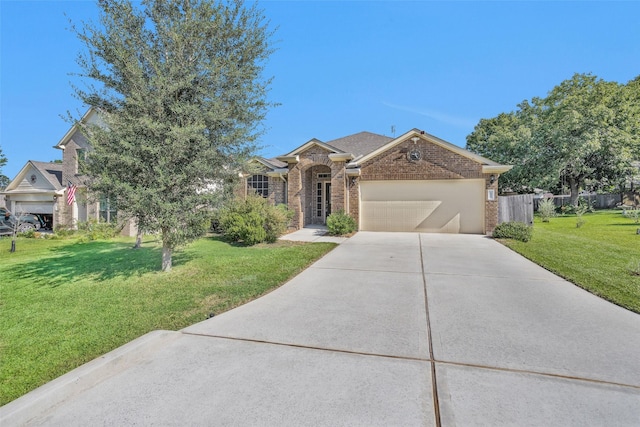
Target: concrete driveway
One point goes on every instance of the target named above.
(389, 329)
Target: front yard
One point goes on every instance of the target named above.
(63, 303)
(602, 256)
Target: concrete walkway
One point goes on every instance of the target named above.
(389, 329)
(313, 233)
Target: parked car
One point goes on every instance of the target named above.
(32, 219)
(5, 229)
(25, 223)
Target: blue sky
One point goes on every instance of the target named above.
(344, 67)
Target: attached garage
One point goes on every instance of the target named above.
(433, 206)
(34, 207)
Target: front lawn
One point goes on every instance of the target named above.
(64, 303)
(601, 256)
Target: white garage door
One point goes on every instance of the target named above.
(34, 207)
(438, 206)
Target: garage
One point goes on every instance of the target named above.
(34, 207)
(432, 206)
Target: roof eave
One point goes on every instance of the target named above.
(496, 168)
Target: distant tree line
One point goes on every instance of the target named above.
(584, 133)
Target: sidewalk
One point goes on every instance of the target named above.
(313, 233)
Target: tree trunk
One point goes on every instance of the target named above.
(138, 244)
(166, 257)
(13, 244)
(574, 189)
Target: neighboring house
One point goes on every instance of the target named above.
(415, 182)
(43, 188)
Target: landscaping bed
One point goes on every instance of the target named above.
(65, 302)
(602, 255)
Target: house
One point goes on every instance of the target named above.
(43, 188)
(415, 182)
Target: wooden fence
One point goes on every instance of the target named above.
(516, 208)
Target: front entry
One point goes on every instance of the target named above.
(323, 200)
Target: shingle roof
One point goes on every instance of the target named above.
(277, 164)
(52, 172)
(360, 143)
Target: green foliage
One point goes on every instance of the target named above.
(253, 220)
(29, 234)
(63, 232)
(547, 209)
(180, 93)
(340, 223)
(4, 180)
(633, 214)
(585, 128)
(95, 230)
(513, 230)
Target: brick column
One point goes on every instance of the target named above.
(338, 194)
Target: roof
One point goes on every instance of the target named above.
(50, 172)
(272, 163)
(360, 144)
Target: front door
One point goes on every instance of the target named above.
(327, 200)
(323, 201)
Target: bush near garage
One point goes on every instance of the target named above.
(513, 230)
(340, 223)
(253, 220)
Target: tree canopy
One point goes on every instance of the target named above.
(585, 130)
(180, 89)
(4, 180)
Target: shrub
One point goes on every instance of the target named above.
(633, 214)
(339, 223)
(94, 229)
(513, 230)
(29, 234)
(547, 209)
(253, 220)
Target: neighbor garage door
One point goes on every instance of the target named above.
(34, 207)
(446, 206)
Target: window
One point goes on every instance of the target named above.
(81, 159)
(319, 200)
(107, 210)
(259, 184)
(324, 176)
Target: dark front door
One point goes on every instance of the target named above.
(327, 200)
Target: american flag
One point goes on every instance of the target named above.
(71, 193)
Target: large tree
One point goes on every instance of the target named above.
(4, 181)
(180, 89)
(585, 128)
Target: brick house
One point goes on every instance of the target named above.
(415, 182)
(42, 188)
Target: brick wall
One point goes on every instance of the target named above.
(302, 188)
(436, 163)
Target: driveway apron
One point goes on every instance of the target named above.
(347, 342)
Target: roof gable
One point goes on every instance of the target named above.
(304, 147)
(74, 133)
(415, 133)
(37, 177)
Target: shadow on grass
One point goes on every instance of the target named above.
(101, 261)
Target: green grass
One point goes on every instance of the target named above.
(64, 303)
(600, 256)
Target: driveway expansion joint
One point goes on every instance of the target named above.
(310, 347)
(540, 373)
